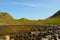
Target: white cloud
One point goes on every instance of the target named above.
(24, 3)
(33, 4)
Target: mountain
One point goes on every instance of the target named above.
(54, 19)
(56, 15)
(4, 15)
(5, 18)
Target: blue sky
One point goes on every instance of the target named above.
(30, 9)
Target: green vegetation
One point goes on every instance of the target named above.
(54, 19)
(5, 18)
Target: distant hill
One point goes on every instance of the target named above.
(6, 18)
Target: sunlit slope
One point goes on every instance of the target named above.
(54, 19)
(6, 18)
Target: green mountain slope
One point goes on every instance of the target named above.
(56, 15)
(54, 19)
(5, 18)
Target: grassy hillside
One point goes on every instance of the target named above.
(6, 18)
(54, 19)
(56, 15)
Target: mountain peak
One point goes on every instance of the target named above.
(5, 15)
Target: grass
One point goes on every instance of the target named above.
(5, 18)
